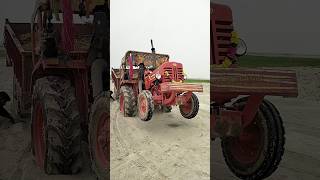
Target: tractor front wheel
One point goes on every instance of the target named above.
(191, 108)
(99, 138)
(55, 128)
(128, 101)
(145, 105)
(257, 152)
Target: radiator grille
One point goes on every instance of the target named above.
(223, 36)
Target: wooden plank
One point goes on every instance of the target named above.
(245, 81)
(181, 87)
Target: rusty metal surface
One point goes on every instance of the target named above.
(243, 81)
(21, 34)
(149, 59)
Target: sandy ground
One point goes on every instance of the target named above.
(170, 147)
(167, 147)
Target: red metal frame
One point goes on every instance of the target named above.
(27, 71)
(228, 84)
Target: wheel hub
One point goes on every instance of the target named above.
(142, 105)
(248, 146)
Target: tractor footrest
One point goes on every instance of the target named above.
(243, 81)
(181, 87)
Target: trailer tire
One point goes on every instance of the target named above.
(55, 127)
(191, 109)
(145, 105)
(128, 101)
(266, 145)
(99, 139)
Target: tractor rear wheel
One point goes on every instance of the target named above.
(55, 128)
(99, 139)
(191, 108)
(257, 152)
(145, 105)
(128, 101)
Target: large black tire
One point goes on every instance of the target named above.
(270, 148)
(56, 109)
(145, 105)
(99, 136)
(191, 108)
(129, 101)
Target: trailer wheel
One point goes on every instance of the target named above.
(128, 101)
(99, 139)
(146, 106)
(257, 152)
(55, 128)
(191, 108)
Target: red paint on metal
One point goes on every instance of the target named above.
(38, 135)
(251, 109)
(102, 141)
(121, 103)
(68, 31)
(81, 82)
(130, 67)
(143, 105)
(221, 28)
(247, 147)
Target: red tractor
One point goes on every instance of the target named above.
(249, 126)
(146, 81)
(61, 77)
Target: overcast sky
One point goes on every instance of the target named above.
(278, 26)
(179, 28)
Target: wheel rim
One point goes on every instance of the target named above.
(187, 107)
(248, 147)
(38, 135)
(101, 149)
(143, 105)
(122, 103)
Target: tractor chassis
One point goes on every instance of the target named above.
(227, 122)
(252, 83)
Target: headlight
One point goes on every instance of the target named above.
(158, 76)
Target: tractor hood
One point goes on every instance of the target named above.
(169, 72)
